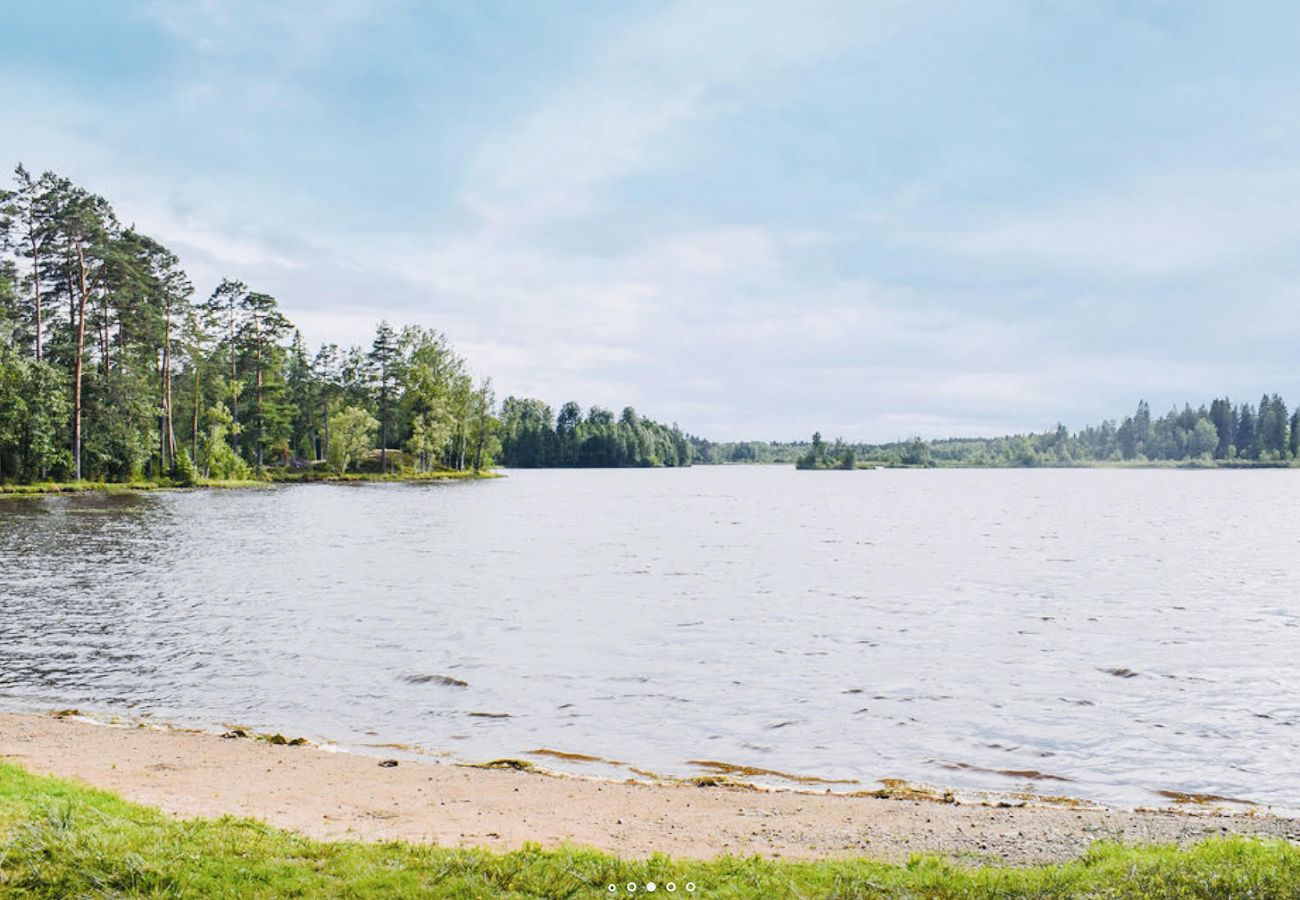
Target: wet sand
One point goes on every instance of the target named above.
(334, 795)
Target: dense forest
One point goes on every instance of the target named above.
(1222, 433)
(111, 369)
(532, 436)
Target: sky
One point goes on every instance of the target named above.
(755, 219)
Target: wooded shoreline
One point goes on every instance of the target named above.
(119, 487)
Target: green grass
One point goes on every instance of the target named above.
(67, 487)
(59, 839)
(404, 476)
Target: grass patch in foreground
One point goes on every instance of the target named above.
(58, 839)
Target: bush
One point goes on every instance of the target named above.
(183, 471)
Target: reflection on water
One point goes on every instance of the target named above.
(1105, 634)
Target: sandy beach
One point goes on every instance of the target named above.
(336, 795)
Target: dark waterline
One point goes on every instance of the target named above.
(1096, 633)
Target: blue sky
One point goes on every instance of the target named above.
(753, 218)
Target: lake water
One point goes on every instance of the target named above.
(1098, 633)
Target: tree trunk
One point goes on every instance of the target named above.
(166, 438)
(234, 378)
(257, 337)
(198, 395)
(325, 443)
(104, 332)
(77, 362)
(36, 278)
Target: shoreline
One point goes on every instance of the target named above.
(345, 796)
(51, 488)
(44, 488)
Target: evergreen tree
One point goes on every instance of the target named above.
(384, 359)
(1247, 443)
(1221, 414)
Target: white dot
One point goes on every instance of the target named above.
(650, 886)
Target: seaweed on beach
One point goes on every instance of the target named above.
(724, 768)
(519, 765)
(572, 757)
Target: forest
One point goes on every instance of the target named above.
(112, 369)
(1221, 433)
(533, 436)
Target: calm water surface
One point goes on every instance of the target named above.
(1104, 634)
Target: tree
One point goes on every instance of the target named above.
(33, 409)
(224, 314)
(29, 208)
(327, 374)
(427, 367)
(352, 431)
(83, 223)
(566, 431)
(220, 461)
(1247, 443)
(1142, 425)
(483, 425)
(384, 358)
(430, 431)
(1271, 427)
(461, 405)
(528, 435)
(300, 389)
(1225, 420)
(259, 339)
(194, 339)
(1203, 440)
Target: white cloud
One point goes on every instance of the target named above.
(620, 113)
(1167, 224)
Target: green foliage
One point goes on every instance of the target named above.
(819, 456)
(352, 431)
(59, 839)
(184, 472)
(220, 461)
(34, 410)
(532, 438)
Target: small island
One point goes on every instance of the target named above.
(819, 456)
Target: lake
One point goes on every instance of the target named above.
(1106, 634)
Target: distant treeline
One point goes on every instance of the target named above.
(112, 370)
(1222, 432)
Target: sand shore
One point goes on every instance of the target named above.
(350, 796)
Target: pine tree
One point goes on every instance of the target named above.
(383, 357)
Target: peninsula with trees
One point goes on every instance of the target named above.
(113, 371)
